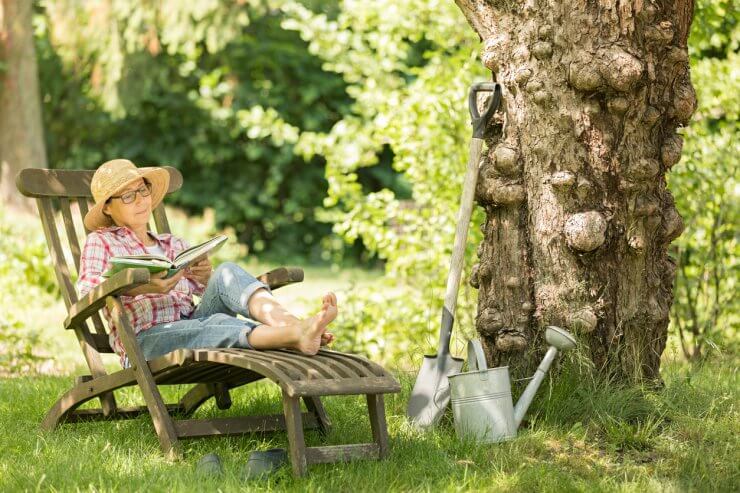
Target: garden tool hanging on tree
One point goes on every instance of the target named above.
(431, 392)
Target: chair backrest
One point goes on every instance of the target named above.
(68, 192)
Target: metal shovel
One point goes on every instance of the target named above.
(431, 392)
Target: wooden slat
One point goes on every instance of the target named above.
(371, 368)
(289, 370)
(341, 453)
(84, 205)
(55, 250)
(98, 324)
(347, 386)
(120, 413)
(312, 368)
(69, 227)
(196, 428)
(101, 342)
(160, 219)
(39, 182)
(359, 370)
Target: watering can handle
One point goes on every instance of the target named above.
(476, 358)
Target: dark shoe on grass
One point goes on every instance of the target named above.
(262, 463)
(209, 464)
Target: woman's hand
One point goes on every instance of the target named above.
(200, 272)
(157, 284)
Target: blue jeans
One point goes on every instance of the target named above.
(213, 323)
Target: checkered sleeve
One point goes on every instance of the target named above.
(179, 245)
(93, 262)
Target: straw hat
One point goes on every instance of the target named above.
(114, 175)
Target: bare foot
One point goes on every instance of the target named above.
(314, 328)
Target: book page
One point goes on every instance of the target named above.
(187, 257)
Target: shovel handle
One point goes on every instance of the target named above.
(480, 121)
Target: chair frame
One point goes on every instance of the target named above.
(212, 371)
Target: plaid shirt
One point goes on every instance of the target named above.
(144, 310)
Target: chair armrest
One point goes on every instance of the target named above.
(282, 276)
(95, 299)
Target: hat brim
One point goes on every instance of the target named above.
(160, 181)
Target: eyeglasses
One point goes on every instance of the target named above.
(129, 197)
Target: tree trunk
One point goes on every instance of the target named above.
(21, 131)
(578, 216)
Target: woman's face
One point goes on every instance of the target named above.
(133, 215)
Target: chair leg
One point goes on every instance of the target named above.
(107, 400)
(376, 409)
(294, 427)
(161, 418)
(314, 406)
(222, 396)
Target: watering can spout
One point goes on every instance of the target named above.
(558, 339)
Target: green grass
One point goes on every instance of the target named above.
(580, 435)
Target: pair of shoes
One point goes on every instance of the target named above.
(260, 463)
(210, 464)
(264, 462)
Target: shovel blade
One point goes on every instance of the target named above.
(431, 392)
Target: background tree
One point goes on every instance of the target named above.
(21, 133)
(578, 216)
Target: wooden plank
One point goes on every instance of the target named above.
(198, 428)
(101, 343)
(347, 386)
(95, 299)
(84, 209)
(40, 182)
(163, 424)
(97, 320)
(363, 367)
(341, 453)
(313, 369)
(282, 276)
(371, 368)
(294, 426)
(376, 409)
(55, 250)
(83, 415)
(69, 227)
(160, 219)
(290, 371)
(314, 406)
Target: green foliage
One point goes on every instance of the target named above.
(409, 87)
(215, 89)
(705, 311)
(25, 274)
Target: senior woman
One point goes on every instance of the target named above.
(162, 312)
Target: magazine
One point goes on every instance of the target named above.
(158, 263)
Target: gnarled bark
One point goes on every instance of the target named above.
(578, 216)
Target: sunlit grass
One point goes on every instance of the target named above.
(682, 437)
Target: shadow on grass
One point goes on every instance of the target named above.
(581, 435)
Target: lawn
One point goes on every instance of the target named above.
(580, 436)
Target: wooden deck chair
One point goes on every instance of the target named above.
(213, 372)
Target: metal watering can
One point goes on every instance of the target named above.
(481, 397)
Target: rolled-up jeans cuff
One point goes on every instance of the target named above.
(249, 291)
(244, 337)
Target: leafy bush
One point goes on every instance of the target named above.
(215, 89)
(705, 310)
(27, 277)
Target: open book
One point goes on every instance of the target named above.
(158, 263)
